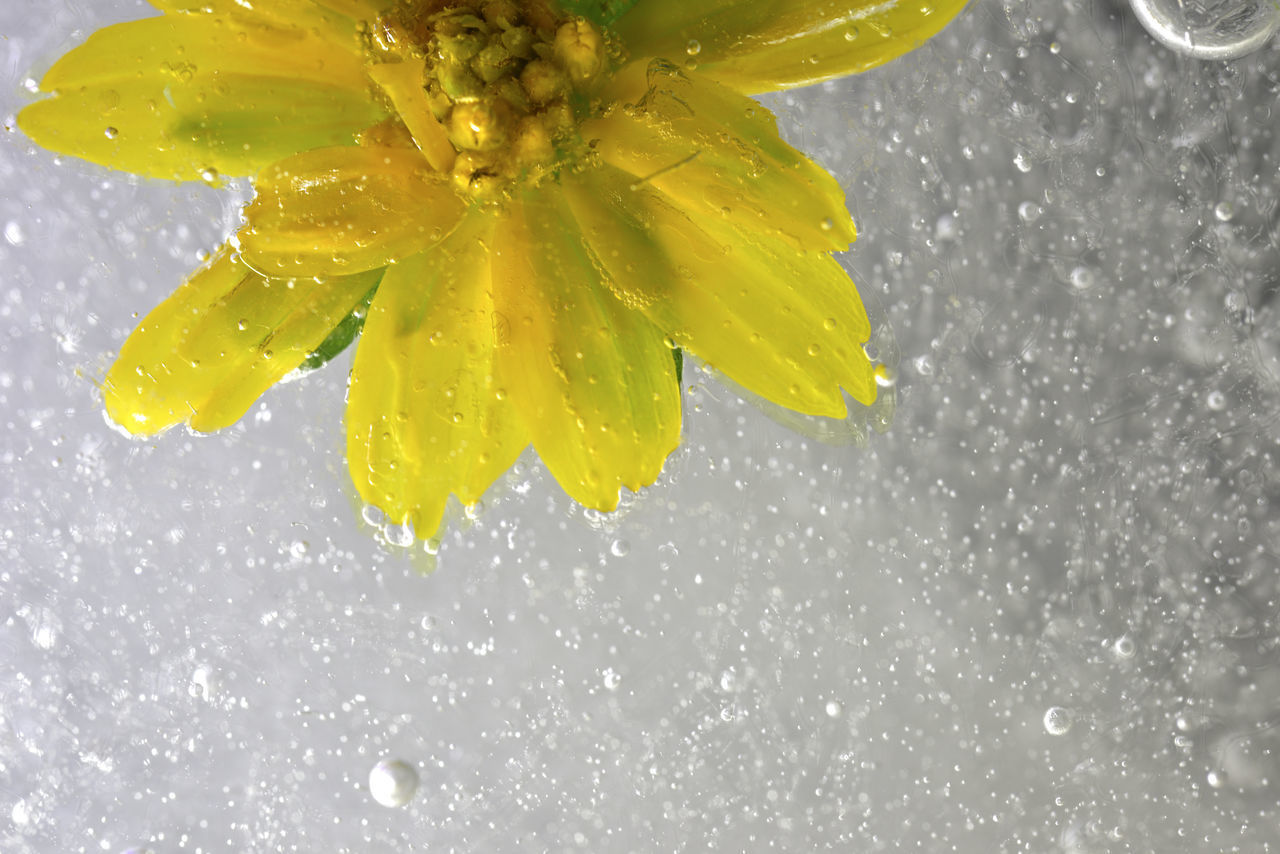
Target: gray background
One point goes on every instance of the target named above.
(784, 645)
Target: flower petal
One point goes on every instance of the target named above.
(592, 379)
(426, 416)
(179, 95)
(343, 210)
(205, 354)
(765, 45)
(718, 153)
(784, 323)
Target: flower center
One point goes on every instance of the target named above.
(491, 91)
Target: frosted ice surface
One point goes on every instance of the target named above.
(785, 645)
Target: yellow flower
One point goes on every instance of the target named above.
(542, 198)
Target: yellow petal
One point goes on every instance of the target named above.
(717, 153)
(309, 12)
(403, 83)
(784, 323)
(592, 379)
(764, 45)
(205, 354)
(344, 210)
(180, 95)
(426, 416)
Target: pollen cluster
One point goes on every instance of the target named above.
(490, 90)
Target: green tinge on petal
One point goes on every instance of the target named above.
(765, 45)
(344, 210)
(717, 153)
(181, 96)
(205, 354)
(592, 379)
(427, 415)
(786, 324)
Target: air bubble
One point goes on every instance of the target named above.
(834, 709)
(1224, 30)
(1029, 212)
(1216, 400)
(14, 234)
(1124, 647)
(620, 548)
(1057, 720)
(1082, 278)
(392, 783)
(1224, 211)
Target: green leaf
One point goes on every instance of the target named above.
(345, 332)
(600, 12)
(678, 355)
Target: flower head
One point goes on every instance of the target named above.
(537, 201)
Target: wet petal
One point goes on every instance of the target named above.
(592, 378)
(426, 415)
(784, 323)
(179, 95)
(763, 45)
(205, 354)
(343, 210)
(717, 153)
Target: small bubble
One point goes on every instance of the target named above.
(611, 679)
(209, 176)
(834, 709)
(1029, 211)
(111, 133)
(620, 548)
(1224, 211)
(298, 549)
(827, 224)
(1216, 779)
(693, 48)
(1216, 400)
(851, 34)
(1057, 720)
(1124, 647)
(392, 783)
(1022, 162)
(886, 377)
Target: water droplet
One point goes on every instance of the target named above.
(834, 709)
(693, 48)
(110, 132)
(1217, 401)
(827, 224)
(620, 548)
(1029, 211)
(1216, 779)
(1124, 647)
(1226, 29)
(1224, 211)
(611, 679)
(1057, 721)
(886, 377)
(209, 176)
(392, 783)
